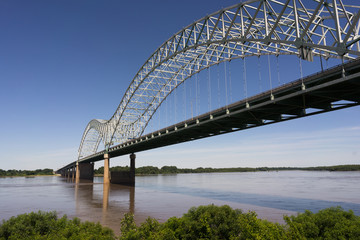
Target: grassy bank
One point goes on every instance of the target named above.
(204, 222)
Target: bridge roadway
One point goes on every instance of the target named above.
(329, 90)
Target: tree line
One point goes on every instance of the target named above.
(13, 172)
(173, 169)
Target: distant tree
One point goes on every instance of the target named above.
(120, 169)
(185, 170)
(13, 172)
(174, 169)
(169, 169)
(100, 170)
(204, 170)
(147, 170)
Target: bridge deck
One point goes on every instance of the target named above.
(330, 90)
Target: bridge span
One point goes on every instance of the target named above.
(321, 28)
(330, 90)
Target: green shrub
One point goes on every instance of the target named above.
(204, 222)
(214, 222)
(46, 225)
(330, 223)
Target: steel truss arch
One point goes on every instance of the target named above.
(329, 29)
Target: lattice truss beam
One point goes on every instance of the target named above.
(257, 27)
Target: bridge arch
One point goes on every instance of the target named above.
(253, 28)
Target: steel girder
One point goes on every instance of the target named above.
(329, 29)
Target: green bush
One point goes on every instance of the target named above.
(46, 225)
(204, 222)
(330, 223)
(214, 222)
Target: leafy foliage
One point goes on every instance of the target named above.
(203, 222)
(46, 225)
(147, 170)
(213, 222)
(169, 169)
(330, 223)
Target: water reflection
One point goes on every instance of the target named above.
(106, 188)
(104, 203)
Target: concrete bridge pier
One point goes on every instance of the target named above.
(84, 171)
(68, 173)
(125, 178)
(73, 174)
(106, 168)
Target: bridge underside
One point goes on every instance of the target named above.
(326, 91)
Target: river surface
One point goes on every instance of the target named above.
(270, 194)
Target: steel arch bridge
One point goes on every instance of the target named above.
(328, 29)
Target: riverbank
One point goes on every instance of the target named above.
(147, 170)
(31, 176)
(26, 173)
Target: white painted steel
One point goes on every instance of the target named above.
(327, 28)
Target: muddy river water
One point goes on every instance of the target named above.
(270, 194)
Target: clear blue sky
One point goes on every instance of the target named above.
(63, 63)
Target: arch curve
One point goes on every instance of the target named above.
(255, 27)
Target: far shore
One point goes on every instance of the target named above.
(30, 176)
(147, 170)
(151, 170)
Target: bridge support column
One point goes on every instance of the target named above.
(125, 177)
(77, 173)
(132, 166)
(84, 171)
(106, 169)
(73, 173)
